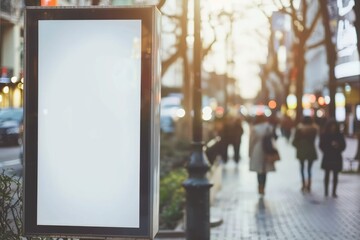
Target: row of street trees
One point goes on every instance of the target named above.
(305, 17)
(308, 18)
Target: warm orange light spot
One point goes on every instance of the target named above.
(272, 104)
(48, 2)
(321, 101)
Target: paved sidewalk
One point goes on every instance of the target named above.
(285, 212)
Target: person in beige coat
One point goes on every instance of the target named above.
(258, 164)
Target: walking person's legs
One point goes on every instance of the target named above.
(308, 186)
(236, 145)
(287, 134)
(335, 182)
(326, 182)
(223, 148)
(261, 182)
(302, 163)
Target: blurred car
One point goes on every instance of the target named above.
(10, 123)
(170, 112)
(257, 110)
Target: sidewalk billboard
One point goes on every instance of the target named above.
(92, 92)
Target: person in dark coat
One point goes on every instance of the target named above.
(332, 144)
(286, 125)
(231, 135)
(304, 142)
(234, 134)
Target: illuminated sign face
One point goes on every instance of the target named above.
(357, 112)
(340, 111)
(348, 63)
(88, 120)
(91, 122)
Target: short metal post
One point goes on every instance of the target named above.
(197, 196)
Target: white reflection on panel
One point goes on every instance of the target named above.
(89, 123)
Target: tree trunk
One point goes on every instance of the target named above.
(186, 121)
(330, 55)
(300, 78)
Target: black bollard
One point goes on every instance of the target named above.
(197, 196)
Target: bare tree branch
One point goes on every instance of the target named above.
(263, 12)
(307, 32)
(168, 62)
(174, 46)
(172, 17)
(297, 32)
(293, 10)
(207, 50)
(286, 11)
(281, 6)
(282, 3)
(161, 4)
(315, 45)
(304, 12)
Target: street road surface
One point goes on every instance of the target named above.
(10, 161)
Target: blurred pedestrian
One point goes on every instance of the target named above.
(258, 162)
(231, 135)
(304, 142)
(223, 142)
(332, 144)
(234, 131)
(357, 154)
(286, 125)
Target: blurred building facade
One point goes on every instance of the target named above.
(278, 85)
(347, 69)
(11, 53)
(316, 79)
(12, 43)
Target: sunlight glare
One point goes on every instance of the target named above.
(246, 45)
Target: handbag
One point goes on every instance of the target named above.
(269, 147)
(272, 157)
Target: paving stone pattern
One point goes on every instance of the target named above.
(285, 212)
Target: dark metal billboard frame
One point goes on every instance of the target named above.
(149, 131)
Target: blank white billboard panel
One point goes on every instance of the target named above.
(89, 97)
